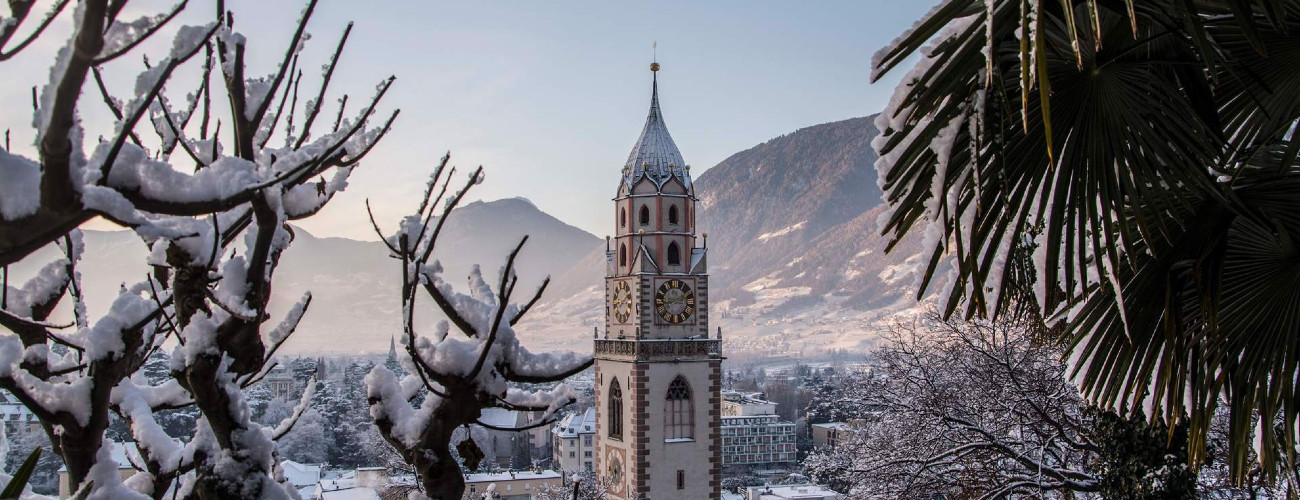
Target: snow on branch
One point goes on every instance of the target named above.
(199, 293)
(463, 373)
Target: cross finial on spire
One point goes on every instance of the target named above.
(654, 61)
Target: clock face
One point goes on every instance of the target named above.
(621, 302)
(675, 301)
(615, 471)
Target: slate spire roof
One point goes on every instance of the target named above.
(655, 155)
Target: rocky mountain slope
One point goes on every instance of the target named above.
(796, 263)
(354, 284)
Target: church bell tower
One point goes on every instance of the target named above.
(658, 374)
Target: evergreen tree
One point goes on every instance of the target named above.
(1137, 460)
(303, 369)
(308, 442)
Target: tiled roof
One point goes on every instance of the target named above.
(576, 424)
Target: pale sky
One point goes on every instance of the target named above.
(547, 96)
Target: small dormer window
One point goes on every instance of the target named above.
(645, 215)
(672, 215)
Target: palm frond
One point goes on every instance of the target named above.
(1144, 151)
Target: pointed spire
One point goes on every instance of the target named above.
(654, 155)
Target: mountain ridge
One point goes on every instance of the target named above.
(797, 264)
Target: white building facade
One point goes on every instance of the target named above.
(658, 374)
(573, 442)
(753, 435)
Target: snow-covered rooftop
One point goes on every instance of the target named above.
(576, 424)
(748, 398)
(790, 492)
(499, 417)
(357, 493)
(15, 412)
(120, 453)
(300, 475)
(510, 476)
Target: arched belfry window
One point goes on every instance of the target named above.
(615, 410)
(679, 414)
(674, 254)
(645, 215)
(672, 214)
(622, 217)
(622, 254)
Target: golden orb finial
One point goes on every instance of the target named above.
(654, 66)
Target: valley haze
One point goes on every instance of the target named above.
(798, 266)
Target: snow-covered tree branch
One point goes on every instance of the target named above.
(983, 410)
(203, 300)
(464, 372)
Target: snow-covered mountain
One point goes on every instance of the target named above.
(797, 266)
(796, 263)
(354, 284)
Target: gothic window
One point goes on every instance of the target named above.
(645, 215)
(674, 254)
(622, 217)
(672, 214)
(622, 254)
(679, 417)
(615, 410)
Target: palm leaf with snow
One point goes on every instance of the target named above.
(1141, 151)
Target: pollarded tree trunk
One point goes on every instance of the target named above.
(459, 386)
(437, 469)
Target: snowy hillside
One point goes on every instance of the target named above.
(796, 263)
(354, 284)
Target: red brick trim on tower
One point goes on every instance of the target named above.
(715, 429)
(640, 429)
(599, 450)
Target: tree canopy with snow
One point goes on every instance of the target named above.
(1130, 168)
(467, 361)
(953, 409)
(211, 197)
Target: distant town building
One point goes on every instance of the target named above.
(790, 492)
(352, 493)
(303, 477)
(752, 434)
(573, 442)
(360, 484)
(120, 453)
(280, 382)
(832, 434)
(743, 404)
(514, 485)
(515, 448)
(17, 418)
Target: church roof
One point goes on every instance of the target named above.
(655, 155)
